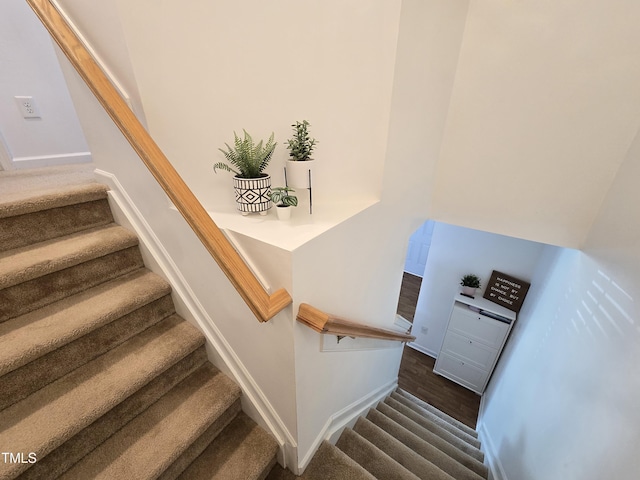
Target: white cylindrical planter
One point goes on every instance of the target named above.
(253, 195)
(283, 212)
(298, 173)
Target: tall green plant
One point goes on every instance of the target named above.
(247, 159)
(301, 145)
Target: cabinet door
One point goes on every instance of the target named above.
(468, 350)
(461, 372)
(477, 327)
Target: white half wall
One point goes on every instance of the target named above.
(563, 401)
(454, 252)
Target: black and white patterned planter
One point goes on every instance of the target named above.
(253, 195)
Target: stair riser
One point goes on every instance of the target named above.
(30, 295)
(463, 457)
(70, 452)
(438, 413)
(22, 230)
(436, 429)
(425, 449)
(197, 447)
(437, 420)
(409, 459)
(376, 462)
(25, 380)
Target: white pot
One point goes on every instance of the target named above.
(253, 194)
(283, 212)
(469, 291)
(298, 173)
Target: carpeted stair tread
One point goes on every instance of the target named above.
(27, 263)
(429, 425)
(399, 452)
(73, 450)
(242, 450)
(454, 430)
(34, 357)
(374, 460)
(150, 443)
(438, 413)
(31, 228)
(58, 197)
(37, 333)
(331, 463)
(53, 414)
(469, 457)
(428, 451)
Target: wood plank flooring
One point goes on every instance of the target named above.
(416, 377)
(416, 369)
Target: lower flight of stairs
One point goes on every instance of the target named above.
(99, 377)
(403, 438)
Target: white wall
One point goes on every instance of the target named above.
(30, 68)
(562, 403)
(353, 271)
(454, 252)
(429, 44)
(544, 107)
(206, 69)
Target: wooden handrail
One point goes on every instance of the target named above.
(324, 323)
(263, 305)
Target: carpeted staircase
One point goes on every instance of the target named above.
(100, 379)
(403, 438)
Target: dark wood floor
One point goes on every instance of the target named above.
(416, 369)
(416, 377)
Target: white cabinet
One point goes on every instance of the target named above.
(475, 336)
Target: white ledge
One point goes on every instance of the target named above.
(300, 229)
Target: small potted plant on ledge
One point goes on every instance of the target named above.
(247, 160)
(470, 283)
(284, 201)
(300, 163)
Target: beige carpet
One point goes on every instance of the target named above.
(21, 184)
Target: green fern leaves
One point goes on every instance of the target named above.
(246, 159)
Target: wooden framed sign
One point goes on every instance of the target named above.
(506, 291)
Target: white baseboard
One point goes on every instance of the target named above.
(158, 260)
(491, 457)
(50, 160)
(344, 418)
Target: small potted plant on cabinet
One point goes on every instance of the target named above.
(300, 163)
(247, 160)
(284, 201)
(470, 283)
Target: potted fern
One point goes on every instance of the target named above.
(300, 163)
(470, 283)
(247, 160)
(284, 201)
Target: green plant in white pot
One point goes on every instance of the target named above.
(284, 201)
(248, 160)
(470, 283)
(300, 163)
